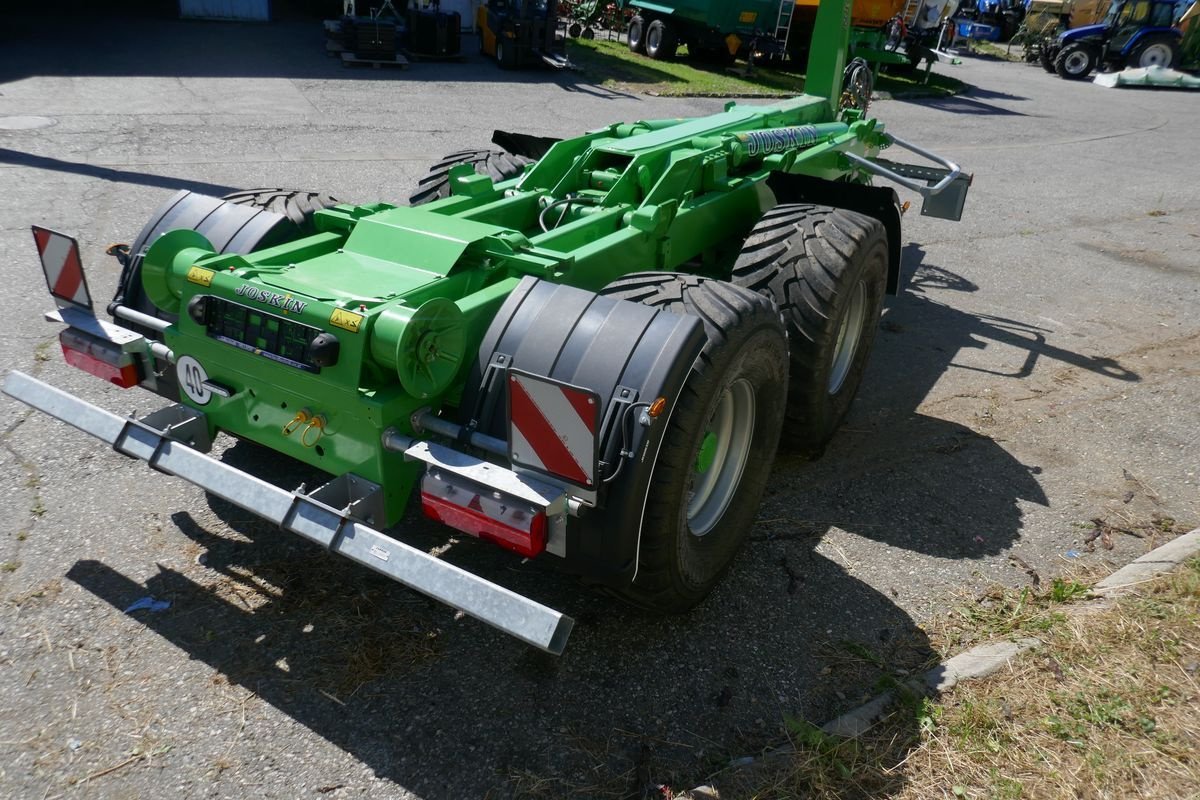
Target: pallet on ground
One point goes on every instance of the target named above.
(414, 56)
(399, 61)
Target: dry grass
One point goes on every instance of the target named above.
(350, 632)
(1107, 708)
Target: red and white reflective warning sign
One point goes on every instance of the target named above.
(552, 427)
(61, 264)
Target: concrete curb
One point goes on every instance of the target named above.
(985, 659)
(1158, 561)
(981, 661)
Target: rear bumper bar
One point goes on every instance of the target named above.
(300, 513)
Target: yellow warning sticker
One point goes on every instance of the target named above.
(346, 320)
(201, 276)
(748, 17)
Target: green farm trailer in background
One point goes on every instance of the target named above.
(715, 29)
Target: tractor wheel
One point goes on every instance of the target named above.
(826, 269)
(298, 206)
(709, 474)
(637, 35)
(497, 164)
(1075, 61)
(1046, 58)
(1155, 51)
(661, 41)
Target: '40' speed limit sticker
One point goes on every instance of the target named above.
(191, 379)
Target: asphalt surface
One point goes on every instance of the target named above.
(1039, 370)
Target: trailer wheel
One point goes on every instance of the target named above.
(1075, 61)
(497, 164)
(298, 206)
(826, 269)
(637, 35)
(661, 41)
(1155, 51)
(712, 467)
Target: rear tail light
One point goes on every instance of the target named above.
(98, 357)
(488, 514)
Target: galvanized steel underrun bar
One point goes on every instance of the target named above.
(519, 616)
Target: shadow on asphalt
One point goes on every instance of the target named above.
(990, 94)
(448, 707)
(20, 159)
(962, 104)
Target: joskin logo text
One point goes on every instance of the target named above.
(272, 299)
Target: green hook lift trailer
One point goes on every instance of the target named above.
(585, 351)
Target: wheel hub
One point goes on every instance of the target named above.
(721, 457)
(1076, 62)
(1156, 55)
(849, 334)
(708, 452)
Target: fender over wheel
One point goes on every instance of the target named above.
(709, 474)
(499, 165)
(240, 222)
(1155, 51)
(826, 269)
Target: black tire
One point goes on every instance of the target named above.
(1046, 58)
(661, 42)
(1155, 51)
(298, 206)
(685, 551)
(506, 55)
(497, 164)
(1075, 61)
(588, 33)
(826, 269)
(637, 35)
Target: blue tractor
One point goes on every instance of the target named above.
(1134, 33)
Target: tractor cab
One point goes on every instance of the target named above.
(1134, 33)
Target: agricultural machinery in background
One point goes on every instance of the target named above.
(713, 30)
(1001, 18)
(520, 33)
(585, 351)
(1134, 33)
(889, 32)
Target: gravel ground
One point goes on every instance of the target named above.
(1039, 370)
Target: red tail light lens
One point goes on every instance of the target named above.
(99, 358)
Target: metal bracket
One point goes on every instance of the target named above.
(181, 423)
(356, 497)
(623, 397)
